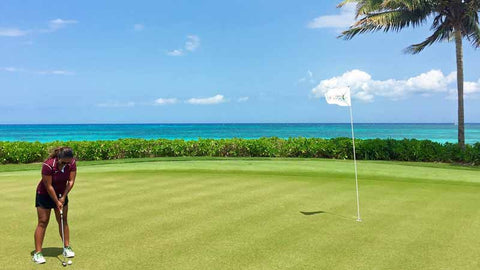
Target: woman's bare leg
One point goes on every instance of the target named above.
(43, 218)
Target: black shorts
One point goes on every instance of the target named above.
(44, 201)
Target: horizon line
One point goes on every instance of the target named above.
(226, 123)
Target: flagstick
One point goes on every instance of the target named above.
(355, 162)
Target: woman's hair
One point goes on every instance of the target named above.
(62, 152)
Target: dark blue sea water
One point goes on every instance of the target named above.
(45, 133)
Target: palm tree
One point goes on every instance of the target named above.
(450, 19)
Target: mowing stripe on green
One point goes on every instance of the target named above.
(247, 214)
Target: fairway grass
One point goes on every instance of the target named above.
(200, 213)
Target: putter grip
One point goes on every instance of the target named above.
(61, 210)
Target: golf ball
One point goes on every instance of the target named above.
(69, 262)
(64, 264)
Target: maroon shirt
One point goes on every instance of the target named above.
(59, 178)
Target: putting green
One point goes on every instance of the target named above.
(199, 213)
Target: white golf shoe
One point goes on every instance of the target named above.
(38, 258)
(68, 252)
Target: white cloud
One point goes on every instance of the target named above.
(59, 23)
(175, 53)
(116, 104)
(55, 72)
(53, 25)
(471, 87)
(433, 80)
(207, 101)
(470, 90)
(339, 21)
(12, 69)
(165, 101)
(197, 101)
(138, 27)
(42, 72)
(308, 78)
(193, 42)
(365, 88)
(242, 99)
(12, 32)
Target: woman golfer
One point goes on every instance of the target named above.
(58, 177)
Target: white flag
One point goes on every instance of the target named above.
(339, 96)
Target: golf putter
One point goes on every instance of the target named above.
(64, 263)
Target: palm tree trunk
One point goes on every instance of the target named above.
(461, 118)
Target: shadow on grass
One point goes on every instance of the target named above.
(323, 212)
(53, 252)
(312, 213)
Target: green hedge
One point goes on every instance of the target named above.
(338, 148)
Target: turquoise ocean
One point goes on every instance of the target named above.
(45, 133)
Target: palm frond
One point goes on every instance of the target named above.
(344, 2)
(368, 6)
(395, 15)
(408, 4)
(443, 32)
(470, 23)
(363, 7)
(474, 37)
(386, 21)
(474, 4)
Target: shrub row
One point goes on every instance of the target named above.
(338, 148)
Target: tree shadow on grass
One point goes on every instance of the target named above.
(323, 212)
(53, 252)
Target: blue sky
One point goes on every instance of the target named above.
(217, 61)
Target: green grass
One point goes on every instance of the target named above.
(204, 213)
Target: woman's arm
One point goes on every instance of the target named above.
(47, 181)
(70, 182)
(69, 187)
